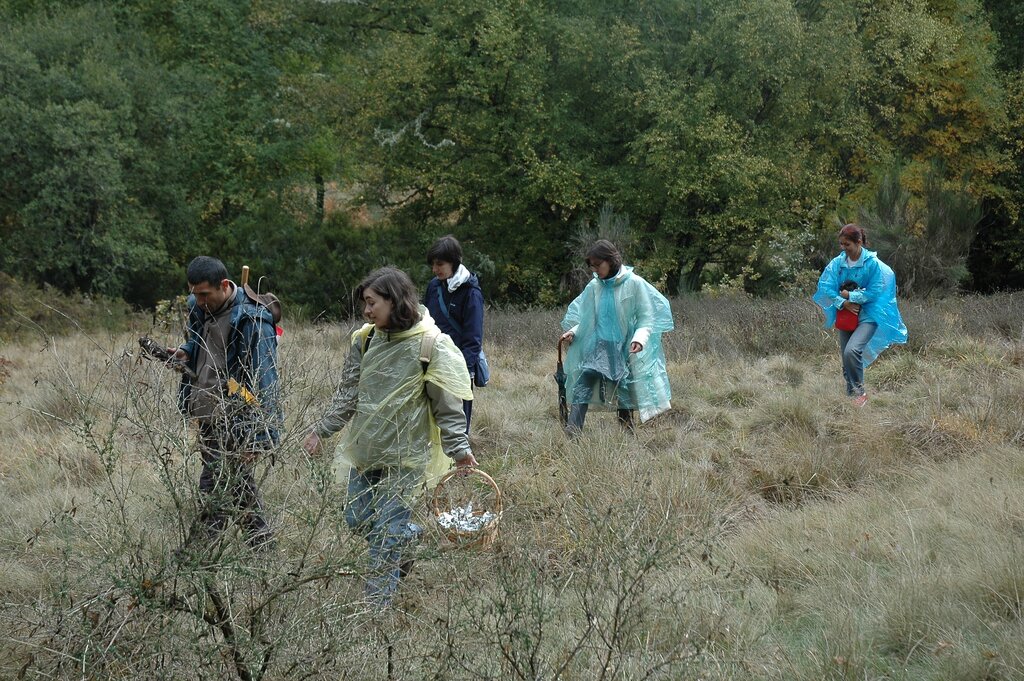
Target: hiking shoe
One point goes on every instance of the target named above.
(860, 400)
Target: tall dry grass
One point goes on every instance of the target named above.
(764, 528)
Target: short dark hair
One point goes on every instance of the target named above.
(203, 268)
(446, 249)
(854, 233)
(392, 284)
(605, 250)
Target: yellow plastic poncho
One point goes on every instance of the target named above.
(393, 425)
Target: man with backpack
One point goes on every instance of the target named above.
(232, 393)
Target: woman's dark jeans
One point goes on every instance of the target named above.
(581, 395)
(379, 510)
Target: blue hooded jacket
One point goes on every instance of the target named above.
(251, 360)
(466, 307)
(876, 295)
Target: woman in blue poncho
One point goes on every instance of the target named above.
(614, 328)
(857, 282)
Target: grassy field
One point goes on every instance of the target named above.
(763, 529)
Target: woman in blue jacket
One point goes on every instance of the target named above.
(856, 280)
(455, 302)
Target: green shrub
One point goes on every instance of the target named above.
(925, 241)
(26, 310)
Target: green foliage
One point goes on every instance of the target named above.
(610, 226)
(997, 259)
(925, 243)
(69, 153)
(710, 126)
(321, 266)
(138, 135)
(29, 311)
(1007, 18)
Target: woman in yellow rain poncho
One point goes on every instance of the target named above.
(400, 394)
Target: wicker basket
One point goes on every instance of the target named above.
(459, 487)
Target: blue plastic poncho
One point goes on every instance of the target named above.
(607, 317)
(876, 295)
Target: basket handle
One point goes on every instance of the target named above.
(435, 500)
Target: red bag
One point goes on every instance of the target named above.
(846, 320)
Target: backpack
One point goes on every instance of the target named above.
(265, 300)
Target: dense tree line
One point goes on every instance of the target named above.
(733, 134)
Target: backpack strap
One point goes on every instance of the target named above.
(444, 309)
(369, 336)
(427, 342)
(427, 346)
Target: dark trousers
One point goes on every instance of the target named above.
(578, 414)
(581, 404)
(227, 485)
(379, 508)
(467, 405)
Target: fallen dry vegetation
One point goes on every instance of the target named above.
(764, 529)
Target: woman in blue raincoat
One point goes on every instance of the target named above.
(857, 281)
(613, 328)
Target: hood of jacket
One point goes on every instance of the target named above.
(624, 272)
(865, 256)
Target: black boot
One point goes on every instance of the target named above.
(577, 415)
